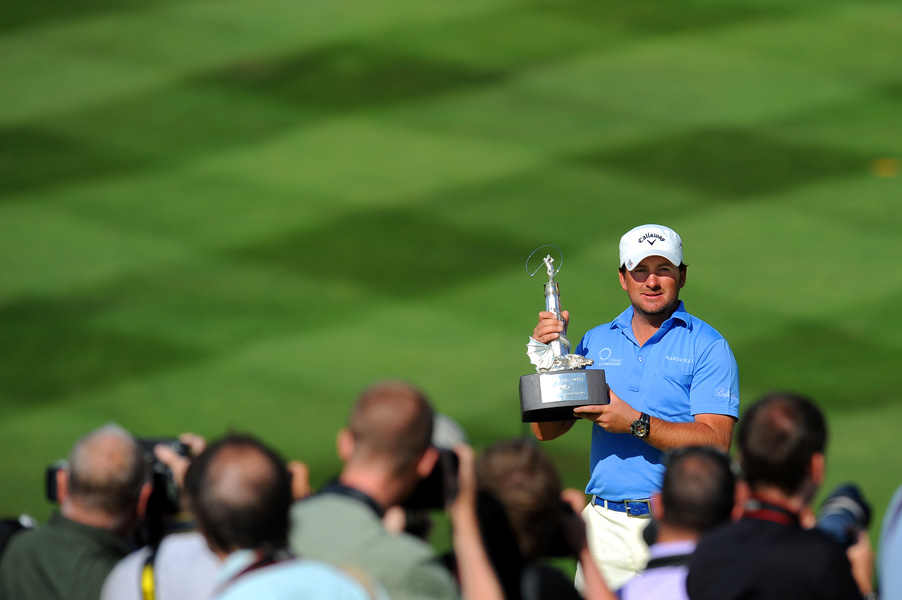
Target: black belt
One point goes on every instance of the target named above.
(634, 508)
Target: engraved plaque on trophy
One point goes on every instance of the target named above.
(561, 381)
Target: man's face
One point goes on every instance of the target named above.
(654, 286)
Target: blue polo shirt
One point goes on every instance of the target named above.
(685, 369)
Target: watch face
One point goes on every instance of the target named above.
(639, 428)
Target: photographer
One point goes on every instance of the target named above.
(386, 450)
(176, 563)
(240, 492)
(524, 519)
(698, 494)
(891, 549)
(768, 554)
(102, 495)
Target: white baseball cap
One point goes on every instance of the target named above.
(639, 243)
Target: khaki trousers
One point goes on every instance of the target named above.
(616, 544)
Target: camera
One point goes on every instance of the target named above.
(843, 514)
(559, 546)
(439, 488)
(50, 488)
(164, 498)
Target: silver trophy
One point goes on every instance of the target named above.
(561, 381)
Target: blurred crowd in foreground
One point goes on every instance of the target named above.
(185, 519)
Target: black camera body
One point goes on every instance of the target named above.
(439, 488)
(558, 545)
(51, 491)
(164, 499)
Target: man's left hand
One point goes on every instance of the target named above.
(616, 417)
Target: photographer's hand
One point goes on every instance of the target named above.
(477, 577)
(177, 463)
(573, 526)
(300, 479)
(196, 443)
(861, 555)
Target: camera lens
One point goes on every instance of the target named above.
(843, 514)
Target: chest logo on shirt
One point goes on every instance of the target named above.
(680, 359)
(604, 358)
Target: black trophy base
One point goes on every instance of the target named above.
(553, 396)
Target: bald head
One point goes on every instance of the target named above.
(392, 425)
(240, 493)
(107, 471)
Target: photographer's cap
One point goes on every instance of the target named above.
(639, 243)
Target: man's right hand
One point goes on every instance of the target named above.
(177, 463)
(861, 556)
(549, 328)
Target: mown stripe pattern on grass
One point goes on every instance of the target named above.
(236, 214)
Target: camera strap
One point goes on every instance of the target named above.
(668, 561)
(148, 582)
(147, 575)
(340, 489)
(762, 510)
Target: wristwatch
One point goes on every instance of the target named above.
(641, 426)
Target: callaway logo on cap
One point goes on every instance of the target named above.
(650, 240)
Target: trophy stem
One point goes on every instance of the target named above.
(560, 346)
(562, 381)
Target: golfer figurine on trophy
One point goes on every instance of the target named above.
(562, 381)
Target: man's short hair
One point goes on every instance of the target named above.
(525, 482)
(392, 422)
(107, 470)
(698, 490)
(777, 437)
(239, 490)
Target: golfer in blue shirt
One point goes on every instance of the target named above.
(673, 382)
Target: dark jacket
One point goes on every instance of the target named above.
(62, 560)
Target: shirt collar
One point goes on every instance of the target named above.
(625, 319)
(235, 563)
(675, 548)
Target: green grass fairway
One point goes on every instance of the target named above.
(230, 214)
